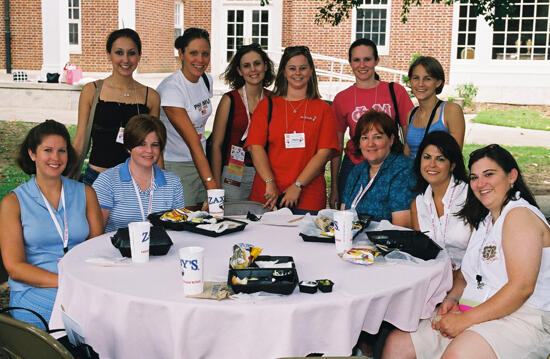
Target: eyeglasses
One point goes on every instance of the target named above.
(196, 30)
(302, 49)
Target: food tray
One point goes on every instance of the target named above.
(365, 220)
(154, 218)
(285, 286)
(415, 243)
(192, 227)
(159, 244)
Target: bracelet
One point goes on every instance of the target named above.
(269, 180)
(208, 179)
(451, 298)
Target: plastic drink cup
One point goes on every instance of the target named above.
(215, 202)
(192, 269)
(139, 241)
(343, 230)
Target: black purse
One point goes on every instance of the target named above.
(415, 243)
(159, 245)
(80, 351)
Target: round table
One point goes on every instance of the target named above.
(140, 311)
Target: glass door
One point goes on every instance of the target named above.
(246, 26)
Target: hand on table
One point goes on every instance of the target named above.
(291, 197)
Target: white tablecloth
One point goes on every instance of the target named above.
(140, 311)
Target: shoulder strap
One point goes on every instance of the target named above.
(412, 114)
(86, 144)
(432, 117)
(269, 115)
(146, 94)
(394, 100)
(206, 82)
(229, 125)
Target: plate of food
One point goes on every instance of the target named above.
(321, 227)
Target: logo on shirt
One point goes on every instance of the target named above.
(202, 106)
(360, 110)
(489, 253)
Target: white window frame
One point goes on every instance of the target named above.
(382, 50)
(75, 49)
(178, 20)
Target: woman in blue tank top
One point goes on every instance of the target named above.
(44, 218)
(427, 79)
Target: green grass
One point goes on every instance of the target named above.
(529, 119)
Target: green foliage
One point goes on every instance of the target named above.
(523, 118)
(335, 11)
(468, 92)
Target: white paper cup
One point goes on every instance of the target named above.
(215, 202)
(192, 269)
(139, 241)
(343, 230)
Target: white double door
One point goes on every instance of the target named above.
(238, 23)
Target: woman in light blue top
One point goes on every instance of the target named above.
(427, 79)
(44, 218)
(132, 190)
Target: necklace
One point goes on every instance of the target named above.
(295, 109)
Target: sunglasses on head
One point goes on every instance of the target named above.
(196, 30)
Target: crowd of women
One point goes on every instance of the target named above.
(403, 164)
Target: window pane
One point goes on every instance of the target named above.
(76, 3)
(541, 25)
(264, 29)
(240, 14)
(265, 16)
(513, 25)
(540, 39)
(542, 11)
(230, 29)
(462, 25)
(528, 11)
(177, 33)
(382, 39)
(472, 25)
(255, 16)
(230, 16)
(239, 29)
(263, 42)
(255, 30)
(76, 14)
(498, 39)
(73, 34)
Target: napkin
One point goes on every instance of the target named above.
(109, 261)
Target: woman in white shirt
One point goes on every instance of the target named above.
(442, 183)
(185, 106)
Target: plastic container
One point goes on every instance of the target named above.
(159, 246)
(265, 279)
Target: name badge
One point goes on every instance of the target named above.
(120, 135)
(295, 140)
(235, 167)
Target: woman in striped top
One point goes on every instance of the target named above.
(138, 178)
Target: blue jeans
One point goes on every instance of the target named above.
(90, 175)
(345, 169)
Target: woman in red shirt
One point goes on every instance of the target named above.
(290, 151)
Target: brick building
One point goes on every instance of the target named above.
(509, 61)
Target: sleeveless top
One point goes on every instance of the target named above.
(43, 246)
(415, 135)
(493, 262)
(109, 117)
(239, 125)
(449, 231)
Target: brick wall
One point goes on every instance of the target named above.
(428, 31)
(99, 18)
(26, 35)
(155, 25)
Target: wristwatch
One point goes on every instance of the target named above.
(299, 184)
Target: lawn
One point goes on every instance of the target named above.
(529, 119)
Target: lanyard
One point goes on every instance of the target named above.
(479, 277)
(245, 101)
(65, 234)
(363, 191)
(151, 190)
(434, 215)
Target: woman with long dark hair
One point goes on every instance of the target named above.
(121, 98)
(499, 305)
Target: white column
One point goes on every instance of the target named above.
(127, 14)
(55, 36)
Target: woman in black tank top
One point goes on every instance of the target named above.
(120, 98)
